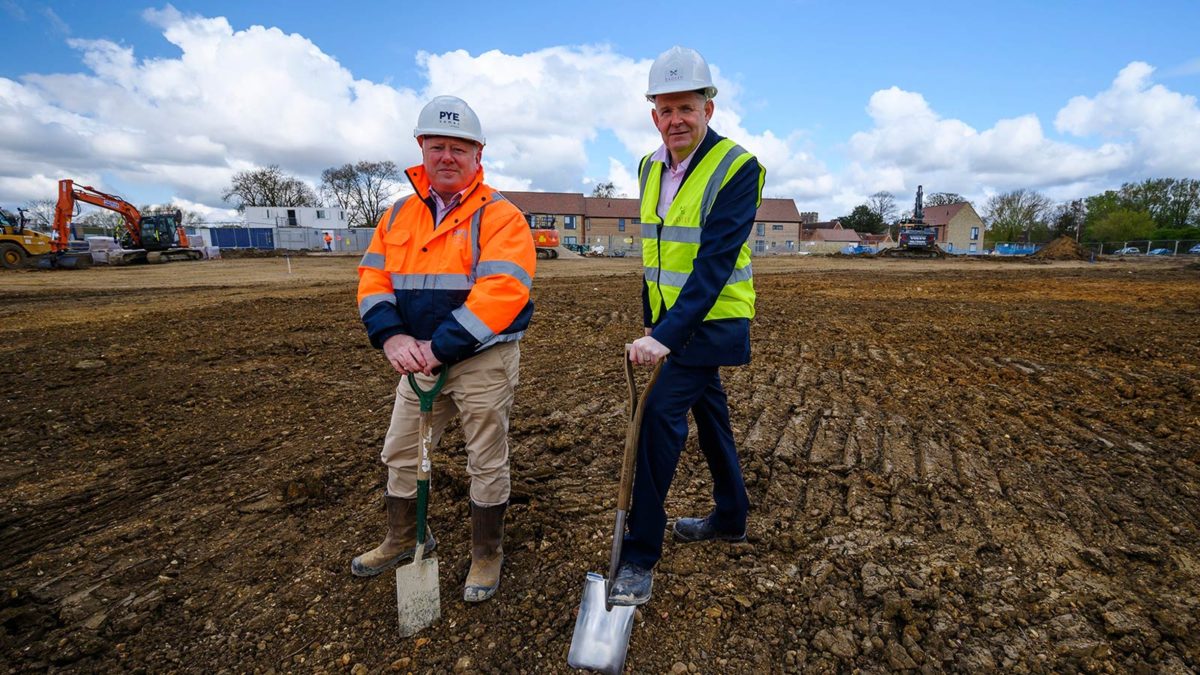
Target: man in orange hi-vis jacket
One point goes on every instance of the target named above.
(445, 282)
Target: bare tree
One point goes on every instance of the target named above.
(364, 190)
(268, 187)
(1012, 216)
(40, 213)
(110, 221)
(604, 190)
(944, 198)
(883, 204)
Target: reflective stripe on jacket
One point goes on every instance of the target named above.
(671, 244)
(463, 284)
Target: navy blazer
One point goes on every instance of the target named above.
(682, 329)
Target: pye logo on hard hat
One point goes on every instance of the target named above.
(448, 117)
(673, 74)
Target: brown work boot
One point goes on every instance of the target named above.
(487, 555)
(399, 545)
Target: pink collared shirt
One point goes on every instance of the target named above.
(442, 207)
(672, 177)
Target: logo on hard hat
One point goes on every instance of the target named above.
(449, 118)
(673, 74)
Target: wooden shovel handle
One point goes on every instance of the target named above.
(633, 432)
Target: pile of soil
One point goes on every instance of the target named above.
(978, 470)
(1063, 248)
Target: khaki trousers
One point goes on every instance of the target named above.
(480, 390)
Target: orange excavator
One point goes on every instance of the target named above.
(545, 237)
(156, 238)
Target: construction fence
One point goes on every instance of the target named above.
(619, 246)
(289, 238)
(1156, 247)
(229, 235)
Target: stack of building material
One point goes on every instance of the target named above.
(100, 247)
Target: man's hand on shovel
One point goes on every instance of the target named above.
(403, 352)
(646, 351)
(431, 362)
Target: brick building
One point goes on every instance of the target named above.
(615, 223)
(960, 229)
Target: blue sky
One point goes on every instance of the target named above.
(838, 99)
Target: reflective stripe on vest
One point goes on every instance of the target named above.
(670, 244)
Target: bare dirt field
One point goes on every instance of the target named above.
(954, 465)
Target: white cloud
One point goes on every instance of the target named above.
(623, 179)
(238, 99)
(235, 99)
(1160, 128)
(207, 213)
(911, 144)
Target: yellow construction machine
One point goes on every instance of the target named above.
(19, 243)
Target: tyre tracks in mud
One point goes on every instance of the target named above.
(944, 485)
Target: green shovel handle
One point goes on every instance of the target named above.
(423, 463)
(427, 396)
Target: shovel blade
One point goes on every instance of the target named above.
(601, 637)
(418, 601)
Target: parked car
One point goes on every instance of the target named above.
(1195, 250)
(1159, 251)
(1129, 250)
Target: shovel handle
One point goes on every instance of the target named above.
(633, 432)
(427, 398)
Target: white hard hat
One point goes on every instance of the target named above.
(449, 116)
(680, 69)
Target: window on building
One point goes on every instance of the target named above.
(760, 245)
(790, 244)
(776, 227)
(974, 234)
(760, 228)
(972, 248)
(321, 215)
(568, 222)
(341, 215)
(620, 224)
(268, 214)
(570, 240)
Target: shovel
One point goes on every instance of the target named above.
(417, 599)
(602, 631)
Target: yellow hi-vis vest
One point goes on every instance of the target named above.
(669, 245)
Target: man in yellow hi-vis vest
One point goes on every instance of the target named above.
(699, 196)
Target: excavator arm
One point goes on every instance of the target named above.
(135, 225)
(68, 194)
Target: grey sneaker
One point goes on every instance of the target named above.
(632, 586)
(702, 529)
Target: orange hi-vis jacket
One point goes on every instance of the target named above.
(462, 283)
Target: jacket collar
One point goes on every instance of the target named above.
(420, 182)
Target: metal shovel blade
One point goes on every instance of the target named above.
(601, 637)
(417, 596)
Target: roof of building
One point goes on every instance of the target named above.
(835, 235)
(549, 203)
(868, 238)
(778, 211)
(576, 204)
(824, 225)
(611, 207)
(942, 215)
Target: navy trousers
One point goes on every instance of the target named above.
(664, 432)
